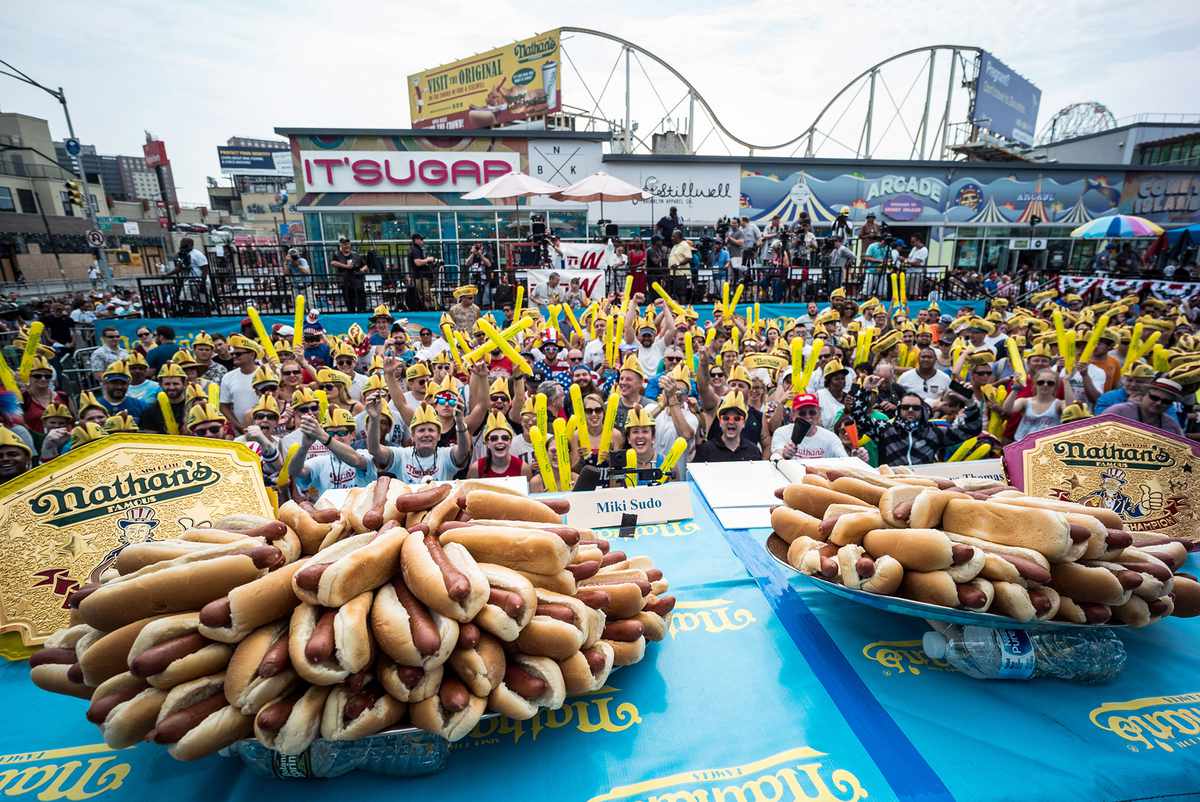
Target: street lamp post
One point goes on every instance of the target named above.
(88, 209)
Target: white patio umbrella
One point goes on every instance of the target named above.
(511, 185)
(601, 187)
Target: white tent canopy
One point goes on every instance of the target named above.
(600, 187)
(511, 185)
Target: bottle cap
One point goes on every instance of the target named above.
(934, 644)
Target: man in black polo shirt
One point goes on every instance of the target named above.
(729, 447)
(420, 267)
(350, 268)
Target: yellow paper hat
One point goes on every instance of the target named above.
(331, 376)
(116, 370)
(416, 370)
(194, 392)
(375, 382)
(728, 347)
(264, 375)
(282, 348)
(639, 416)
(828, 316)
(1044, 295)
(839, 293)
(382, 311)
(204, 413)
(981, 356)
(266, 403)
(425, 414)
(202, 338)
(344, 349)
(496, 421)
(889, 340)
(121, 422)
(58, 411)
(338, 416)
(443, 358)
(631, 363)
(500, 387)
(87, 433)
(305, 396)
(466, 289)
(376, 364)
(528, 408)
(925, 328)
(1075, 412)
(185, 359)
(9, 438)
(238, 342)
(832, 367)
(1039, 349)
(135, 358)
(732, 400)
(40, 363)
(681, 373)
(171, 370)
(42, 350)
(738, 374)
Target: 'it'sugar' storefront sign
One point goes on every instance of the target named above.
(60, 520)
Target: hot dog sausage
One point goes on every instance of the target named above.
(1129, 579)
(826, 527)
(80, 593)
(1079, 533)
(424, 632)
(1095, 613)
(654, 575)
(969, 596)
(560, 612)
(453, 695)
(612, 558)
(627, 630)
(410, 676)
(829, 567)
(156, 659)
(275, 715)
(1028, 569)
(217, 613)
(661, 606)
(179, 723)
(584, 570)
(603, 545)
(276, 659)
(507, 600)
(560, 505)
(961, 554)
(458, 587)
(100, 708)
(468, 636)
(595, 660)
(1159, 607)
(57, 657)
(522, 683)
(321, 644)
(1040, 600)
(902, 511)
(359, 703)
(865, 567)
(309, 577)
(323, 516)
(424, 499)
(643, 586)
(271, 530)
(1159, 572)
(267, 557)
(1118, 539)
(373, 518)
(596, 599)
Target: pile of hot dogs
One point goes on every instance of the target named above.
(982, 547)
(429, 605)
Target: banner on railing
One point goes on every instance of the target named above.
(590, 281)
(1114, 288)
(586, 255)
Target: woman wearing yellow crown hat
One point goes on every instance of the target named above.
(424, 460)
(206, 420)
(338, 465)
(337, 388)
(639, 436)
(499, 461)
(39, 394)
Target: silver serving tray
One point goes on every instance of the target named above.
(777, 547)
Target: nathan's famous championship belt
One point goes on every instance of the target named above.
(1148, 477)
(61, 520)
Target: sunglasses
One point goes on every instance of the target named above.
(446, 401)
(420, 382)
(1049, 383)
(729, 417)
(112, 336)
(42, 376)
(716, 374)
(580, 359)
(308, 409)
(143, 334)
(1160, 399)
(498, 438)
(265, 416)
(984, 372)
(593, 410)
(209, 431)
(339, 432)
(499, 399)
(267, 388)
(328, 387)
(292, 372)
(911, 407)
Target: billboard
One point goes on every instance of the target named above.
(1005, 103)
(499, 86)
(1162, 197)
(155, 154)
(702, 192)
(403, 170)
(254, 161)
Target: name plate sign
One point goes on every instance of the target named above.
(651, 505)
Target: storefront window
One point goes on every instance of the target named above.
(380, 225)
(425, 224)
(514, 224)
(1058, 251)
(568, 225)
(476, 225)
(995, 255)
(312, 226)
(967, 254)
(334, 225)
(1082, 253)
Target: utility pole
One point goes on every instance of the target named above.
(89, 210)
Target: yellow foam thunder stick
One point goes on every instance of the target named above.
(1016, 361)
(1101, 324)
(671, 303)
(505, 346)
(606, 429)
(571, 319)
(673, 454)
(164, 406)
(631, 468)
(733, 304)
(814, 353)
(542, 457)
(517, 305)
(32, 341)
(284, 477)
(214, 395)
(452, 341)
(563, 447)
(963, 450)
(475, 354)
(585, 440)
(981, 451)
(625, 297)
(539, 408)
(689, 353)
(903, 290)
(297, 329)
(261, 330)
(322, 407)
(797, 347)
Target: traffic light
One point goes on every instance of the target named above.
(75, 193)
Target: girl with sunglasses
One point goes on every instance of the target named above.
(39, 394)
(337, 388)
(499, 461)
(593, 415)
(1043, 409)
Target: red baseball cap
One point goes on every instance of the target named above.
(805, 400)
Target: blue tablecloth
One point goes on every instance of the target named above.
(765, 689)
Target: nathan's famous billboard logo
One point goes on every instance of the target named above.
(797, 774)
(1165, 722)
(1083, 455)
(75, 504)
(534, 50)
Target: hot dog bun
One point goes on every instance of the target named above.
(352, 644)
(1091, 584)
(55, 668)
(1106, 516)
(524, 673)
(861, 489)
(850, 528)
(250, 606)
(106, 654)
(303, 722)
(514, 603)
(494, 504)
(588, 669)
(430, 584)
(125, 708)
(393, 629)
(1187, 596)
(1044, 531)
(205, 732)
(548, 636)
(432, 715)
(383, 712)
(171, 651)
(535, 550)
(396, 679)
(352, 566)
(815, 500)
(310, 532)
(245, 687)
(790, 524)
(480, 666)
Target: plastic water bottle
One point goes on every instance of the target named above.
(1088, 657)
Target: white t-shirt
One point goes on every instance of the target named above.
(593, 353)
(929, 389)
(409, 468)
(358, 382)
(830, 407)
(919, 256)
(665, 434)
(650, 358)
(1098, 377)
(818, 443)
(237, 388)
(327, 472)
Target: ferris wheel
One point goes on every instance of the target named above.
(1076, 120)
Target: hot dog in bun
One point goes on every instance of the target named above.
(408, 631)
(528, 683)
(260, 669)
(171, 650)
(195, 720)
(352, 713)
(291, 722)
(125, 709)
(349, 567)
(452, 712)
(588, 669)
(445, 577)
(327, 645)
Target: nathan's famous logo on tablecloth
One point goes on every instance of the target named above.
(76, 772)
(1146, 476)
(61, 520)
(597, 711)
(1152, 722)
(899, 657)
(710, 616)
(801, 773)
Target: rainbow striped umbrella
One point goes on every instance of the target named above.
(1117, 226)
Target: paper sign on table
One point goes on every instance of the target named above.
(737, 484)
(651, 505)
